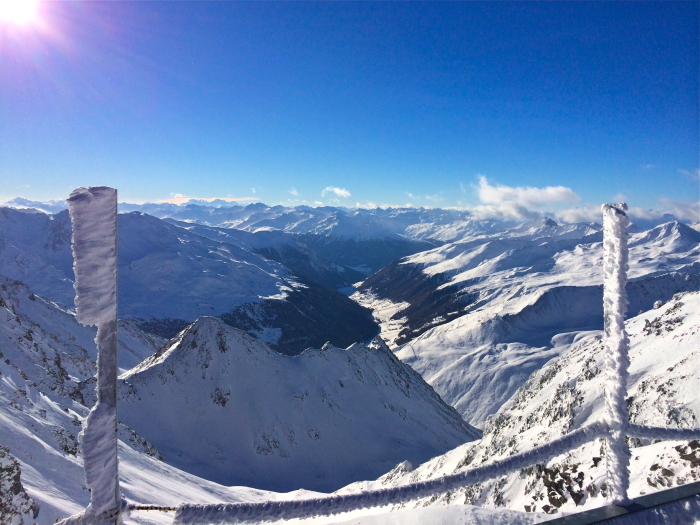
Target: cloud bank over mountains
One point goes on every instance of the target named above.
(493, 201)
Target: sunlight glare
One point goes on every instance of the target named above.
(18, 11)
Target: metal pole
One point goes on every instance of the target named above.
(615, 262)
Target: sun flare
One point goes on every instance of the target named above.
(19, 12)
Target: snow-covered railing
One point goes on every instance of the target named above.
(278, 510)
(94, 291)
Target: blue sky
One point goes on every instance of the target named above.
(466, 104)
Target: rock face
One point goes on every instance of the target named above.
(16, 507)
(223, 406)
(567, 394)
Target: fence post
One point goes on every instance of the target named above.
(93, 212)
(615, 262)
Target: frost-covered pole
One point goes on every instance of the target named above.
(93, 212)
(615, 261)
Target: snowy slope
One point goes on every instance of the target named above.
(285, 248)
(35, 249)
(223, 406)
(567, 394)
(46, 359)
(40, 429)
(481, 314)
(32, 328)
(46, 389)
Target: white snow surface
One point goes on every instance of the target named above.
(564, 395)
(35, 249)
(223, 406)
(40, 416)
(29, 324)
(455, 515)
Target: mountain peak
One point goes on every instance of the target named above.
(255, 417)
(673, 231)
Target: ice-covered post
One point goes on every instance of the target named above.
(93, 212)
(615, 261)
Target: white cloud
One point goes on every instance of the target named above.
(430, 198)
(681, 210)
(253, 190)
(498, 201)
(692, 175)
(370, 205)
(685, 211)
(580, 214)
(523, 195)
(340, 192)
(294, 192)
(619, 197)
(506, 210)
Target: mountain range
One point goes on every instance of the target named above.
(475, 318)
(248, 355)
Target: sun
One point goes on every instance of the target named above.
(18, 12)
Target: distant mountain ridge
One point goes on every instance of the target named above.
(169, 276)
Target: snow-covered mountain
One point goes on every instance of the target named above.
(475, 318)
(44, 206)
(325, 221)
(34, 329)
(46, 389)
(567, 394)
(169, 276)
(223, 406)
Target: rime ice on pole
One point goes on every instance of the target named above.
(93, 212)
(615, 261)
